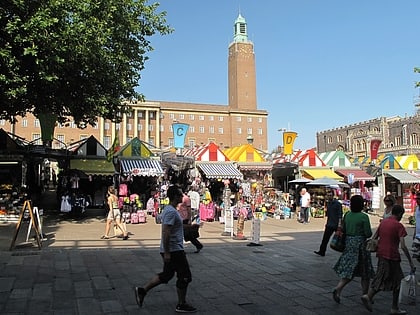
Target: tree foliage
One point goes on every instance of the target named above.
(74, 58)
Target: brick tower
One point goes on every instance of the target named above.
(241, 69)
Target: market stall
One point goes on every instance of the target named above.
(139, 171)
(13, 172)
(88, 161)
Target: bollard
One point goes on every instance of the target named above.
(255, 232)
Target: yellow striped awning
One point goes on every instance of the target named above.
(319, 173)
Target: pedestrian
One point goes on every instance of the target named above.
(391, 234)
(195, 204)
(172, 252)
(355, 261)
(191, 233)
(54, 178)
(334, 215)
(305, 203)
(114, 214)
(416, 233)
(389, 202)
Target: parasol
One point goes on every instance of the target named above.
(300, 181)
(326, 181)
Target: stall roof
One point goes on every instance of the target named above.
(135, 148)
(208, 152)
(408, 162)
(336, 158)
(310, 158)
(321, 172)
(403, 176)
(93, 166)
(255, 166)
(141, 167)
(219, 170)
(358, 174)
(244, 153)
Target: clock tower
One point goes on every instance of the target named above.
(241, 69)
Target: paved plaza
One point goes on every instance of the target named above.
(75, 272)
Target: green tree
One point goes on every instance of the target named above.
(417, 70)
(79, 59)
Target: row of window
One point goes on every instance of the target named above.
(413, 140)
(173, 116)
(191, 129)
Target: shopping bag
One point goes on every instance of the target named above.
(408, 290)
(338, 242)
(372, 245)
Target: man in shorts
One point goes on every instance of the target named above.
(172, 252)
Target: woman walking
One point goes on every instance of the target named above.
(355, 261)
(389, 202)
(389, 274)
(113, 214)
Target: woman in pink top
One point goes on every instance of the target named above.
(389, 273)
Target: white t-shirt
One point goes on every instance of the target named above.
(305, 200)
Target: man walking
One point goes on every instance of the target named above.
(334, 215)
(305, 204)
(172, 252)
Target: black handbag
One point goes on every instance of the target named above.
(338, 242)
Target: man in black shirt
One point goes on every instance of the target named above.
(334, 216)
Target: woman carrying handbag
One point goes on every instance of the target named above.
(389, 274)
(355, 261)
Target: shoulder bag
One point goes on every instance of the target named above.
(338, 242)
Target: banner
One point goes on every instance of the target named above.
(288, 140)
(374, 147)
(115, 147)
(180, 131)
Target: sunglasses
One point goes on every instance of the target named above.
(387, 200)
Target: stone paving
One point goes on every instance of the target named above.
(76, 272)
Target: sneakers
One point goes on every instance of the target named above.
(140, 294)
(319, 253)
(185, 308)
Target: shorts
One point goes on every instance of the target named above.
(178, 264)
(115, 214)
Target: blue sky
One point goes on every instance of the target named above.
(320, 64)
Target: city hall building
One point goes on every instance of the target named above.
(151, 121)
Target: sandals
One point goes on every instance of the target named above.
(104, 237)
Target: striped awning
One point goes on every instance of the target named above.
(141, 167)
(403, 176)
(319, 173)
(358, 174)
(220, 170)
(255, 166)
